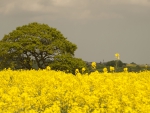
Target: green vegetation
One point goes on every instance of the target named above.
(68, 63)
(131, 67)
(36, 46)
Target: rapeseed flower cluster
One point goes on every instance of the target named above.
(48, 91)
(117, 55)
(112, 69)
(125, 69)
(93, 64)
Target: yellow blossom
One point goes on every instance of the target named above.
(117, 56)
(93, 65)
(41, 91)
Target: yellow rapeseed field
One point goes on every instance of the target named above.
(48, 91)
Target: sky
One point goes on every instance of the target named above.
(99, 28)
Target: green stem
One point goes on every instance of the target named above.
(116, 65)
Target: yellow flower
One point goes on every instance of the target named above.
(83, 69)
(105, 70)
(48, 68)
(112, 68)
(93, 65)
(32, 91)
(117, 56)
(125, 69)
(76, 71)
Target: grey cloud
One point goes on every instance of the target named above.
(73, 9)
(98, 27)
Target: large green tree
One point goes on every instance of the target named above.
(31, 44)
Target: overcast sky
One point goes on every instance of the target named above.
(99, 28)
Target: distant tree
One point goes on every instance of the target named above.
(133, 63)
(33, 43)
(138, 68)
(113, 63)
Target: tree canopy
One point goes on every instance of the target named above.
(34, 43)
(68, 64)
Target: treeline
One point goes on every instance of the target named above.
(132, 67)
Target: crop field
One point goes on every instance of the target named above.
(48, 91)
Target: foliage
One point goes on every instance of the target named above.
(33, 43)
(113, 63)
(137, 68)
(68, 63)
(48, 91)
